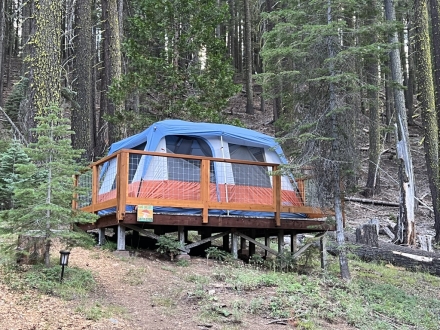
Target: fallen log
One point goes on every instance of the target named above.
(397, 255)
(371, 201)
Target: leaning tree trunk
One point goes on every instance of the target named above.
(427, 106)
(406, 221)
(248, 58)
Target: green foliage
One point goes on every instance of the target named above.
(177, 68)
(77, 282)
(12, 104)
(168, 245)
(217, 254)
(9, 160)
(43, 188)
(315, 66)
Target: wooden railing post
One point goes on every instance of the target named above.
(121, 184)
(204, 187)
(277, 196)
(75, 195)
(95, 185)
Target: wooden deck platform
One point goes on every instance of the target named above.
(128, 191)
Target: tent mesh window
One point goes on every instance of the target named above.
(107, 181)
(249, 175)
(187, 170)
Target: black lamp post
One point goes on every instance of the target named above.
(64, 260)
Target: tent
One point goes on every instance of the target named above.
(178, 178)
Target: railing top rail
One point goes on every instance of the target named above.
(163, 154)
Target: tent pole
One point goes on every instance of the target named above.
(224, 172)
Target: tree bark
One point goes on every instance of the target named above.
(372, 185)
(336, 176)
(112, 64)
(83, 115)
(427, 106)
(47, 60)
(2, 44)
(406, 222)
(248, 59)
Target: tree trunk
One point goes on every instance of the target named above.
(46, 62)
(406, 223)
(83, 114)
(248, 59)
(112, 63)
(340, 237)
(2, 48)
(427, 106)
(374, 130)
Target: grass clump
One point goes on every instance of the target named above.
(77, 282)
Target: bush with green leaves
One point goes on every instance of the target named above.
(168, 245)
(214, 252)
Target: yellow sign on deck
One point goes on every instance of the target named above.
(145, 213)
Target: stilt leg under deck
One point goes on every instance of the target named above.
(323, 244)
(267, 243)
(183, 236)
(293, 243)
(280, 241)
(121, 238)
(234, 245)
(101, 236)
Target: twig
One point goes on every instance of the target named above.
(281, 320)
(14, 127)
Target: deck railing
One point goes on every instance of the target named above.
(196, 182)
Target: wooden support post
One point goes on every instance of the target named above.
(293, 243)
(277, 197)
(101, 236)
(204, 187)
(234, 245)
(252, 245)
(122, 184)
(226, 242)
(121, 238)
(323, 243)
(280, 241)
(181, 234)
(266, 243)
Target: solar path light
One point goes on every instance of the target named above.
(64, 260)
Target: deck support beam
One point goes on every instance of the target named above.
(280, 241)
(101, 236)
(323, 250)
(234, 245)
(266, 248)
(121, 238)
(266, 242)
(181, 234)
(293, 242)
